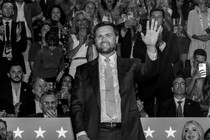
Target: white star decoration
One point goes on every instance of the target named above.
(149, 132)
(40, 132)
(61, 132)
(170, 132)
(18, 133)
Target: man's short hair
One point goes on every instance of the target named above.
(157, 9)
(105, 23)
(15, 63)
(7, 1)
(178, 76)
(52, 38)
(4, 122)
(200, 52)
(46, 94)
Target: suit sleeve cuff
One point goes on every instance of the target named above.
(152, 56)
(80, 134)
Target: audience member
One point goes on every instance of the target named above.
(4, 134)
(207, 134)
(64, 94)
(80, 47)
(48, 104)
(92, 112)
(27, 13)
(196, 79)
(179, 28)
(129, 29)
(49, 61)
(39, 87)
(12, 39)
(192, 129)
(159, 86)
(37, 45)
(16, 94)
(198, 28)
(179, 105)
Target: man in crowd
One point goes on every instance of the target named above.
(179, 105)
(48, 104)
(26, 14)
(16, 96)
(103, 102)
(12, 39)
(159, 87)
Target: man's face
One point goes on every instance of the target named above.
(198, 59)
(132, 8)
(179, 87)
(90, 9)
(15, 74)
(158, 16)
(105, 39)
(48, 102)
(7, 10)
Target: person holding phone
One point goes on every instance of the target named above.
(199, 73)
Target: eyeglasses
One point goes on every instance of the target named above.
(176, 84)
(53, 103)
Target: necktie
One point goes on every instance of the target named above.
(109, 87)
(179, 109)
(7, 31)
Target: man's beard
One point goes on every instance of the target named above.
(16, 81)
(105, 51)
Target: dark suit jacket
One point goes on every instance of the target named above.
(85, 99)
(26, 98)
(167, 57)
(17, 47)
(191, 109)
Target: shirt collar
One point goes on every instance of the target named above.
(176, 100)
(112, 58)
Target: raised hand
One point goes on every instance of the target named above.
(152, 33)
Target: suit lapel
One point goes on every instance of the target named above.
(186, 107)
(173, 109)
(94, 79)
(121, 70)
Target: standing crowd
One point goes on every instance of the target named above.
(105, 63)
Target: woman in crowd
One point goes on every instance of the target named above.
(179, 28)
(64, 94)
(192, 130)
(49, 61)
(80, 49)
(198, 29)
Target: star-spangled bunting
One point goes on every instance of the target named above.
(40, 133)
(18, 133)
(61, 132)
(149, 132)
(170, 132)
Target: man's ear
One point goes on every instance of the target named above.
(172, 89)
(117, 38)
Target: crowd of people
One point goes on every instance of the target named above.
(53, 51)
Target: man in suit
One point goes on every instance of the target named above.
(96, 115)
(49, 105)
(179, 105)
(159, 86)
(12, 39)
(15, 95)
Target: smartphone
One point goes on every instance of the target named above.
(202, 67)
